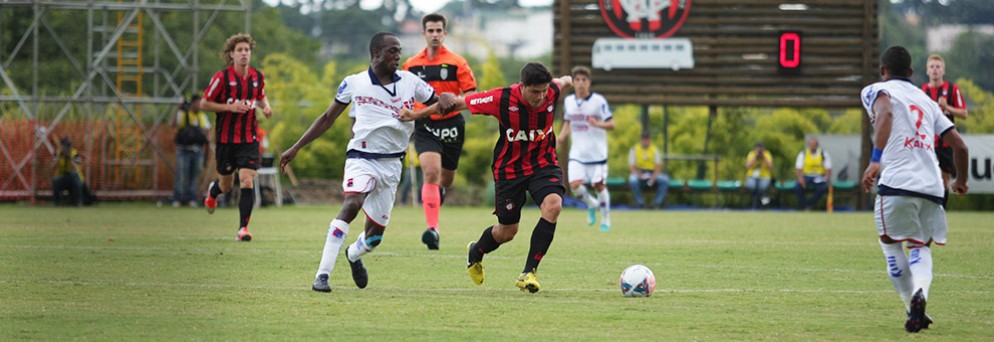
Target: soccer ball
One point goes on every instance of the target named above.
(637, 281)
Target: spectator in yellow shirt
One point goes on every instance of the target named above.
(759, 174)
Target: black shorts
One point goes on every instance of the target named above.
(237, 156)
(444, 137)
(945, 156)
(509, 195)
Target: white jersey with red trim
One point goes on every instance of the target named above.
(375, 107)
(588, 143)
(908, 161)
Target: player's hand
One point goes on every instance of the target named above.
(960, 187)
(802, 183)
(943, 103)
(446, 102)
(650, 182)
(268, 112)
(287, 157)
(591, 121)
(405, 114)
(870, 176)
(238, 107)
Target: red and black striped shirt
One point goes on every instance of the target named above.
(228, 86)
(527, 141)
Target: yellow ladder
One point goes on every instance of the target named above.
(128, 138)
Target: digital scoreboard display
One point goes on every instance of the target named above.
(721, 52)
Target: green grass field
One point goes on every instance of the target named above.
(134, 271)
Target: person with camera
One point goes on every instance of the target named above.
(759, 174)
(191, 141)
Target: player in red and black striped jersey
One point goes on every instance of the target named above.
(524, 160)
(950, 99)
(234, 93)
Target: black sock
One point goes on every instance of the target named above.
(541, 239)
(441, 195)
(245, 203)
(484, 245)
(216, 189)
(945, 199)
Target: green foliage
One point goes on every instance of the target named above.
(980, 107)
(490, 75)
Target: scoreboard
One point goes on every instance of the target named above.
(816, 53)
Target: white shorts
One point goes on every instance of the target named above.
(378, 178)
(592, 173)
(912, 219)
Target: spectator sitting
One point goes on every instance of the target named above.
(814, 172)
(759, 175)
(646, 165)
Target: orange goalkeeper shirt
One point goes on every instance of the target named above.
(447, 73)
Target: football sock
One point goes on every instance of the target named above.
(432, 198)
(605, 203)
(541, 239)
(920, 264)
(484, 245)
(337, 231)
(363, 245)
(245, 203)
(582, 194)
(898, 271)
(216, 189)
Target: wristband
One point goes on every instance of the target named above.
(875, 157)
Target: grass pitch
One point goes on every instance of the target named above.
(134, 271)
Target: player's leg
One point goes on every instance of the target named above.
(897, 220)
(179, 179)
(549, 194)
(577, 175)
(598, 177)
(431, 165)
(246, 202)
(378, 207)
(509, 197)
(357, 183)
(225, 167)
(338, 230)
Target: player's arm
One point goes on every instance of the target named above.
(961, 159)
(234, 107)
(266, 109)
(444, 103)
(318, 127)
(563, 133)
(565, 83)
(883, 121)
(958, 109)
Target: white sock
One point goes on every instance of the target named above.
(358, 248)
(920, 264)
(582, 194)
(605, 202)
(337, 231)
(898, 271)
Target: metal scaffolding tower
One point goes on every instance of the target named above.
(120, 93)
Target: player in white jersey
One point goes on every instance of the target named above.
(373, 163)
(908, 206)
(588, 117)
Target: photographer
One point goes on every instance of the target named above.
(759, 175)
(191, 139)
(67, 175)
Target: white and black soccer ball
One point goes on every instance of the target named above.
(637, 281)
